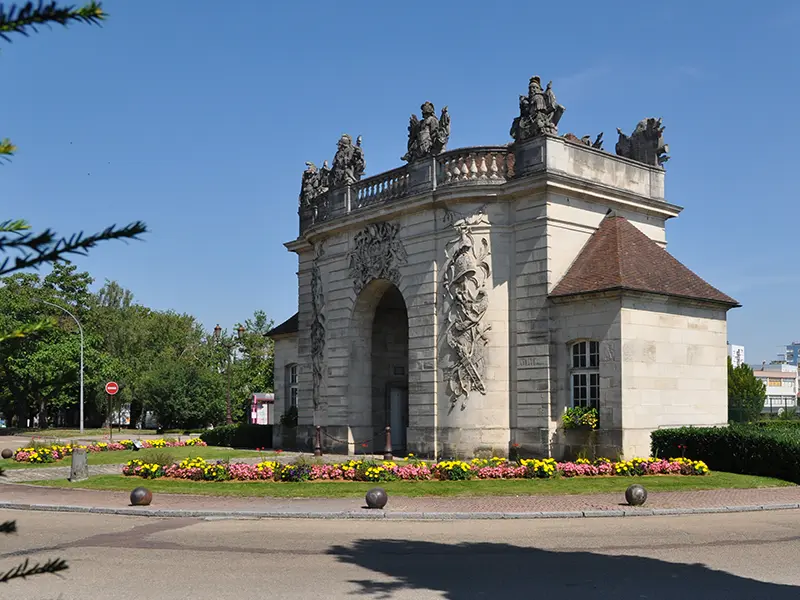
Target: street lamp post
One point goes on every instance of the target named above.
(230, 346)
(80, 329)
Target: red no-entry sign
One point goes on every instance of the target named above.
(112, 388)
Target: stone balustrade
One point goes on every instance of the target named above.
(379, 188)
(482, 166)
(485, 165)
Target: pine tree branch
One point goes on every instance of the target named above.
(20, 20)
(8, 527)
(7, 149)
(27, 330)
(23, 571)
(14, 226)
(43, 248)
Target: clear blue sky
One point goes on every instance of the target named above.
(198, 117)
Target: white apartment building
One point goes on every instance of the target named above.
(781, 382)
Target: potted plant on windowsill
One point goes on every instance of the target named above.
(580, 418)
(580, 426)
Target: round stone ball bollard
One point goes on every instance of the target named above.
(7, 453)
(377, 498)
(141, 497)
(636, 495)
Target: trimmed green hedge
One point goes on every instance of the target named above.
(239, 436)
(745, 449)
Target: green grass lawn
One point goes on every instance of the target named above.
(344, 489)
(60, 434)
(120, 457)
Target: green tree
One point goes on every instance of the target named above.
(746, 394)
(183, 392)
(253, 369)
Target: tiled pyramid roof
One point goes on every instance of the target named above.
(620, 257)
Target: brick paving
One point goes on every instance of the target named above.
(709, 499)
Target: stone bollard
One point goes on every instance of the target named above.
(377, 498)
(636, 495)
(80, 465)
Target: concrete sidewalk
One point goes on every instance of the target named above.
(27, 497)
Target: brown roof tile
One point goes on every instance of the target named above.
(620, 257)
(290, 325)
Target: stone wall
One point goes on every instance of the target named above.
(285, 355)
(674, 368)
(598, 319)
(529, 320)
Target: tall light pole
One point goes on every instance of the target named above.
(80, 329)
(230, 346)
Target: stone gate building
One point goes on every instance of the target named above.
(468, 298)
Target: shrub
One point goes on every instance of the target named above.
(243, 435)
(289, 418)
(765, 450)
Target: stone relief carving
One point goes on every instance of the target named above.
(378, 254)
(466, 289)
(429, 136)
(586, 140)
(539, 112)
(645, 144)
(317, 325)
(348, 163)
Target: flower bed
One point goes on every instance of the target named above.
(54, 453)
(412, 469)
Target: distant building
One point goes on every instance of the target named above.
(792, 353)
(737, 354)
(262, 409)
(781, 383)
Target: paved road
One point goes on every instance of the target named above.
(740, 556)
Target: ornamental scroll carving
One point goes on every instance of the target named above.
(378, 254)
(317, 326)
(466, 289)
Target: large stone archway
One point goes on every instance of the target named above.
(378, 368)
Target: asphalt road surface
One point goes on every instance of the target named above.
(747, 555)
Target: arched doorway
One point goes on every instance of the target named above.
(378, 370)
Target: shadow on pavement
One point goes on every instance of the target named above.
(493, 570)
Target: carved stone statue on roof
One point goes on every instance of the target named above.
(645, 144)
(348, 163)
(539, 112)
(586, 140)
(429, 136)
(315, 182)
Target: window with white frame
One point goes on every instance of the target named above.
(585, 374)
(291, 385)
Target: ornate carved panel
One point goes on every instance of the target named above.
(317, 325)
(466, 288)
(377, 254)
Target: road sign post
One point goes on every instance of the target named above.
(111, 388)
